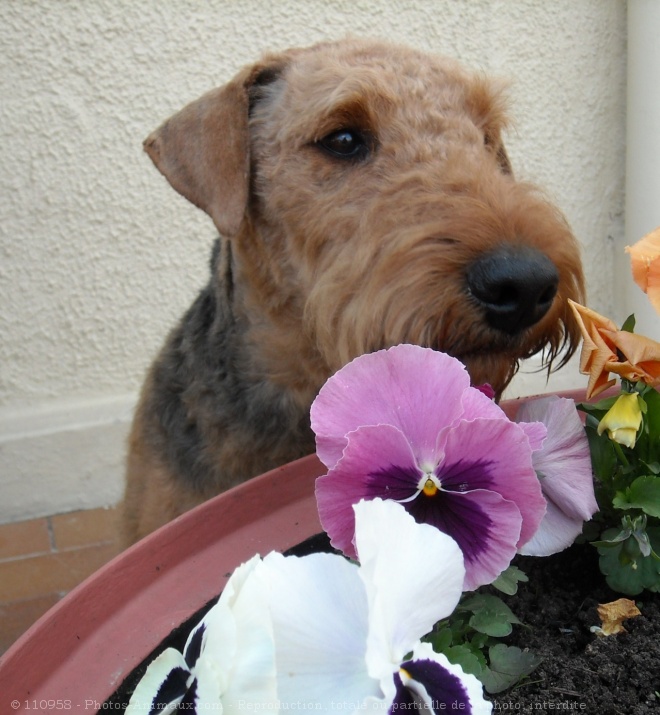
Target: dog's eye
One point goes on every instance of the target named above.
(345, 143)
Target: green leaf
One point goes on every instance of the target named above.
(643, 493)
(652, 425)
(507, 665)
(478, 641)
(603, 454)
(590, 531)
(440, 640)
(629, 324)
(626, 569)
(599, 408)
(490, 615)
(507, 581)
(613, 541)
(471, 661)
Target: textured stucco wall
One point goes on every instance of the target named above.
(99, 256)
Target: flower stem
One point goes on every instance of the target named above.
(619, 453)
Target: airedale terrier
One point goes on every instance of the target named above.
(364, 198)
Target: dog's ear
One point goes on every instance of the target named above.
(204, 149)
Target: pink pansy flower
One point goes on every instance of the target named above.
(563, 465)
(405, 424)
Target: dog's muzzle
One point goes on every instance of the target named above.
(515, 287)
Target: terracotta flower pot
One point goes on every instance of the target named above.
(81, 650)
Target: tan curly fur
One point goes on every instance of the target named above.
(322, 258)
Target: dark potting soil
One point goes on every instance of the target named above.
(580, 672)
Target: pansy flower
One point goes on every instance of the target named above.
(348, 637)
(645, 265)
(319, 632)
(228, 659)
(405, 424)
(563, 465)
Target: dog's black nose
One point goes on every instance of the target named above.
(515, 287)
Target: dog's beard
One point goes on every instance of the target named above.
(491, 356)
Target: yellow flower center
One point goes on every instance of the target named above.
(430, 487)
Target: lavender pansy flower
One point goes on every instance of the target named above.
(405, 424)
(563, 465)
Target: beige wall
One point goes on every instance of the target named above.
(99, 256)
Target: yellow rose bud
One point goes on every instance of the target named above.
(623, 420)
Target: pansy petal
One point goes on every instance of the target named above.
(190, 701)
(430, 679)
(502, 463)
(385, 387)
(556, 533)
(194, 643)
(208, 691)
(413, 576)
(231, 651)
(564, 462)
(218, 626)
(476, 404)
(219, 639)
(236, 581)
(536, 432)
(253, 673)
(407, 699)
(319, 611)
(484, 524)
(164, 684)
(377, 462)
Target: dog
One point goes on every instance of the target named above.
(364, 198)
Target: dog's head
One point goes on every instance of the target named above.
(370, 201)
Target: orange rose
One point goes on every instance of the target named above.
(606, 349)
(645, 264)
(643, 358)
(598, 351)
